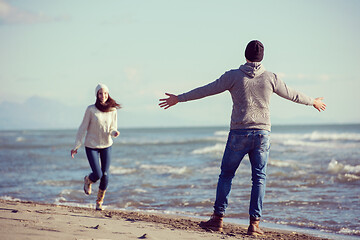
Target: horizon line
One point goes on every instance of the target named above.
(194, 126)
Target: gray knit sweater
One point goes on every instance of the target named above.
(250, 87)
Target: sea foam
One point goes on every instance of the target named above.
(336, 167)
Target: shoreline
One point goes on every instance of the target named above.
(32, 220)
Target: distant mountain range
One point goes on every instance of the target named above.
(39, 113)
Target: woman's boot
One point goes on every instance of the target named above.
(215, 223)
(254, 228)
(87, 185)
(100, 199)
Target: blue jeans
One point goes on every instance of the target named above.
(255, 143)
(99, 172)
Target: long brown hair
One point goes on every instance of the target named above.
(108, 105)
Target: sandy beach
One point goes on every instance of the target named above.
(29, 220)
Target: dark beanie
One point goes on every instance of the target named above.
(254, 51)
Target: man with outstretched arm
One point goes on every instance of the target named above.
(251, 87)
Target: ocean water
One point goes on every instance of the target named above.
(313, 174)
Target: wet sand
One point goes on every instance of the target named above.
(29, 220)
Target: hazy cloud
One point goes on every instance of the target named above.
(304, 77)
(123, 19)
(133, 74)
(12, 15)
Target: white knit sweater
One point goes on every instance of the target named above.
(98, 126)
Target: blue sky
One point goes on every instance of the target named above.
(59, 50)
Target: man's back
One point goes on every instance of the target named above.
(251, 88)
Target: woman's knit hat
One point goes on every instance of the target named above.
(254, 51)
(101, 86)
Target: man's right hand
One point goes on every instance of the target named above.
(168, 102)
